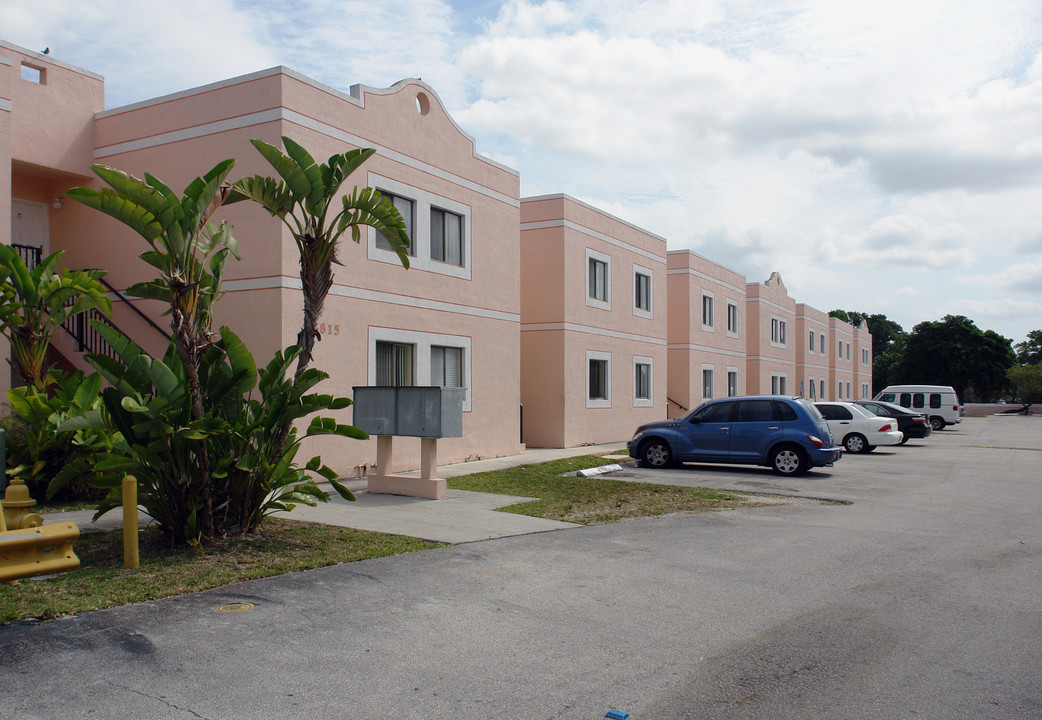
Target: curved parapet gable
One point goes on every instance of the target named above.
(428, 104)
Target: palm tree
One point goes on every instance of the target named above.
(181, 238)
(35, 303)
(304, 199)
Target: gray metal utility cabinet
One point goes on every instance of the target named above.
(428, 413)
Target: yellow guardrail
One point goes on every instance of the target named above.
(38, 551)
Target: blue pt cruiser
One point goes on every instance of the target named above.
(786, 434)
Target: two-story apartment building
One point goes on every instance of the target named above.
(812, 360)
(707, 331)
(564, 325)
(771, 322)
(451, 319)
(593, 324)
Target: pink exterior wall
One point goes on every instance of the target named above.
(771, 341)
(46, 146)
(862, 363)
(841, 384)
(699, 286)
(527, 336)
(812, 363)
(562, 327)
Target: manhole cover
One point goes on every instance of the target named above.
(235, 607)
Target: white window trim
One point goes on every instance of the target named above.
(780, 376)
(821, 389)
(733, 333)
(824, 349)
(421, 249)
(606, 259)
(642, 402)
(702, 383)
(422, 357)
(711, 327)
(598, 402)
(638, 312)
(737, 380)
(811, 342)
(864, 391)
(813, 388)
(783, 334)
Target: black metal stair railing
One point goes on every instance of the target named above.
(88, 339)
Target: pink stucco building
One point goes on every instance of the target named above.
(707, 331)
(593, 324)
(451, 319)
(545, 309)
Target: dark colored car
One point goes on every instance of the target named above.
(784, 433)
(909, 422)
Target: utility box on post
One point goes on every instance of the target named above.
(428, 413)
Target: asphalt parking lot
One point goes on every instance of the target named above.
(918, 598)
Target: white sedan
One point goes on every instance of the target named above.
(857, 429)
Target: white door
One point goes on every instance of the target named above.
(29, 225)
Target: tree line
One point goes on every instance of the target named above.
(982, 365)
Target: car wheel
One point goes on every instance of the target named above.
(904, 438)
(855, 443)
(937, 423)
(655, 453)
(789, 460)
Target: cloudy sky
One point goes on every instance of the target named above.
(882, 155)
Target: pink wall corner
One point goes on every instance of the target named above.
(51, 124)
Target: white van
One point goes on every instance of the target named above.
(937, 402)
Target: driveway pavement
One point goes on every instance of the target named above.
(919, 598)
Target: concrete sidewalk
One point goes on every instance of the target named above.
(462, 516)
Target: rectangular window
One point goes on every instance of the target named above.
(446, 236)
(821, 395)
(777, 331)
(864, 391)
(812, 383)
(597, 282)
(394, 364)
(446, 366)
(707, 311)
(598, 380)
(822, 344)
(732, 318)
(840, 396)
(812, 341)
(848, 357)
(641, 291)
(848, 391)
(778, 385)
(864, 356)
(732, 383)
(406, 208)
(707, 384)
(641, 381)
(840, 348)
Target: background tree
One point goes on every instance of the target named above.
(1029, 351)
(1027, 383)
(954, 351)
(34, 304)
(888, 340)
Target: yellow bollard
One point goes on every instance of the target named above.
(130, 552)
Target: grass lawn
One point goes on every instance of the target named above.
(282, 546)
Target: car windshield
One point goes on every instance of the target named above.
(809, 407)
